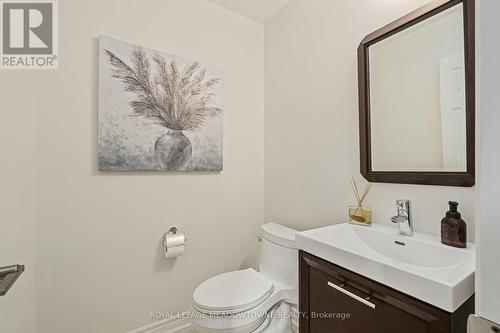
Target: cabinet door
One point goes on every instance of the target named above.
(333, 300)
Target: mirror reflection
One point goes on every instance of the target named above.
(417, 97)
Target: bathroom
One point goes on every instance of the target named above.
(90, 238)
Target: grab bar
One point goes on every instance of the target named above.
(8, 276)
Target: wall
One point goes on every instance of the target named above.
(488, 222)
(100, 264)
(311, 118)
(17, 197)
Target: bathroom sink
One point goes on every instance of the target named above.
(417, 265)
(421, 250)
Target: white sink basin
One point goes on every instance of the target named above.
(417, 265)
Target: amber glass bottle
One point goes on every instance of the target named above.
(453, 228)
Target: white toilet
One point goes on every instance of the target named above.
(250, 301)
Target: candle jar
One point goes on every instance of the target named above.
(360, 215)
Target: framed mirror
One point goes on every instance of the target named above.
(417, 98)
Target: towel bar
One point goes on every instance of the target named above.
(9, 275)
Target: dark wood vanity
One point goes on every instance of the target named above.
(335, 300)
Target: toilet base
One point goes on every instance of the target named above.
(278, 320)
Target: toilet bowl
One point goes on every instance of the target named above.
(247, 300)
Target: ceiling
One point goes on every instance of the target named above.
(257, 10)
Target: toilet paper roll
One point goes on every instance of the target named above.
(170, 239)
(173, 244)
(172, 252)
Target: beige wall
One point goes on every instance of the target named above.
(17, 197)
(100, 265)
(311, 118)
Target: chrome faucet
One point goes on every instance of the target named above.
(403, 219)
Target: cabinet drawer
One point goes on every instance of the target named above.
(337, 306)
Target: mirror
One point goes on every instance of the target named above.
(417, 98)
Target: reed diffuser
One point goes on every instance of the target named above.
(359, 214)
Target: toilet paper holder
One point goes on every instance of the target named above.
(173, 243)
(172, 231)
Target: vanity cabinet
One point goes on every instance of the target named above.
(335, 300)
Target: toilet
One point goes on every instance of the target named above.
(247, 300)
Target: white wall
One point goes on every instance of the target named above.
(488, 223)
(311, 118)
(100, 265)
(17, 197)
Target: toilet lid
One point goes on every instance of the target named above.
(232, 292)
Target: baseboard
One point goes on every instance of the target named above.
(170, 325)
(183, 325)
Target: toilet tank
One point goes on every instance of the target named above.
(278, 258)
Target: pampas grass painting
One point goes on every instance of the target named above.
(157, 112)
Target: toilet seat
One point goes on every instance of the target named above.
(244, 321)
(232, 292)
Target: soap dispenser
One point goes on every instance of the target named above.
(453, 228)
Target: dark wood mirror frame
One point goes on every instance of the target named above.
(427, 178)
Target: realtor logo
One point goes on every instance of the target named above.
(29, 34)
